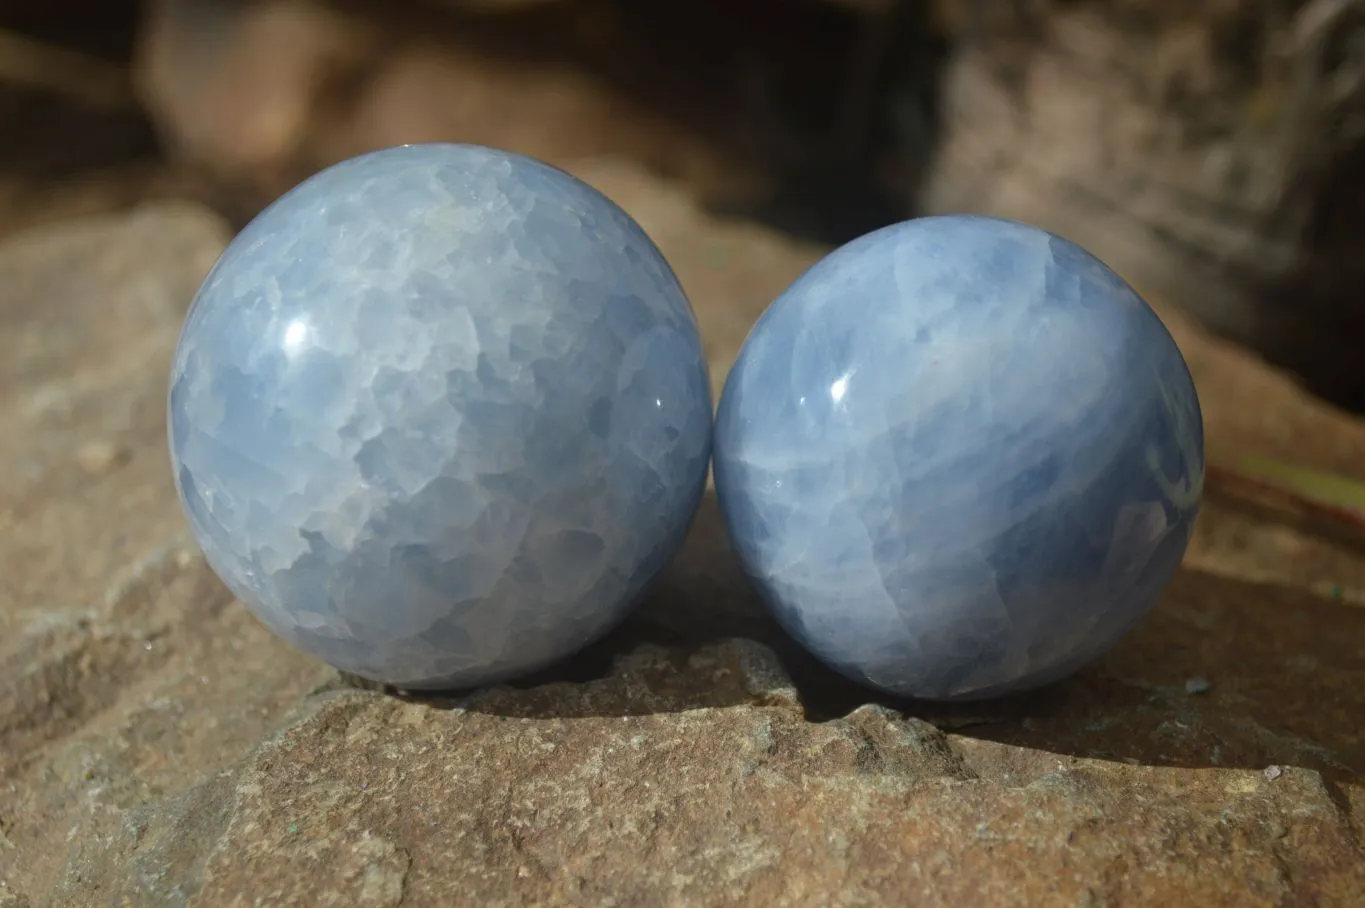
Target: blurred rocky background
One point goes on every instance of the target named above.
(158, 747)
(1213, 152)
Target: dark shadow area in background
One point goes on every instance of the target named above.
(834, 104)
(1321, 295)
(49, 140)
(843, 99)
(105, 28)
(1285, 670)
(66, 153)
(49, 136)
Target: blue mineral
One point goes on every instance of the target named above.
(439, 415)
(959, 457)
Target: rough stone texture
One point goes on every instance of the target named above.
(960, 457)
(158, 746)
(1213, 151)
(440, 415)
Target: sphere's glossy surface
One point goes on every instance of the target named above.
(960, 457)
(439, 415)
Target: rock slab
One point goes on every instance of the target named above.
(159, 747)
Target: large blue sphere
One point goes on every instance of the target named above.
(959, 457)
(439, 415)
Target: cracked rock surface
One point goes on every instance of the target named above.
(158, 746)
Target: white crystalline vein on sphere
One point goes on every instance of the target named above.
(959, 456)
(440, 414)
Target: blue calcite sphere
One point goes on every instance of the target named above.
(959, 457)
(439, 415)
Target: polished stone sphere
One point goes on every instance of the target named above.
(959, 457)
(439, 415)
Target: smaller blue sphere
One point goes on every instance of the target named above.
(439, 415)
(959, 457)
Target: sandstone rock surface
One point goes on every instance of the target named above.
(159, 747)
